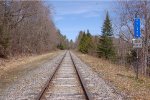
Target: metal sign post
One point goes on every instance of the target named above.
(137, 41)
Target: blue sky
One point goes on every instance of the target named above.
(71, 16)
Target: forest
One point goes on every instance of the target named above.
(26, 27)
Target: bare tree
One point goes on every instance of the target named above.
(26, 27)
(127, 11)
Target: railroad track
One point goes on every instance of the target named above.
(64, 78)
(65, 83)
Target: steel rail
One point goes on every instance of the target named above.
(82, 81)
(48, 82)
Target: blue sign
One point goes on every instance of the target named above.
(137, 32)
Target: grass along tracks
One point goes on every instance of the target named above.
(120, 77)
(14, 68)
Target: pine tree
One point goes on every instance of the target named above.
(107, 26)
(85, 44)
(79, 38)
(89, 41)
(82, 44)
(105, 47)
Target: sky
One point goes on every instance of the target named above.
(71, 16)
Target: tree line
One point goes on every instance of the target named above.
(26, 27)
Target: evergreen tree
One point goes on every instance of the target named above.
(85, 44)
(82, 44)
(105, 45)
(89, 41)
(71, 44)
(107, 26)
(78, 39)
(60, 46)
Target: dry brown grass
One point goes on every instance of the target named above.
(17, 62)
(13, 69)
(122, 78)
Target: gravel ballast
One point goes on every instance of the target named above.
(97, 87)
(29, 85)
